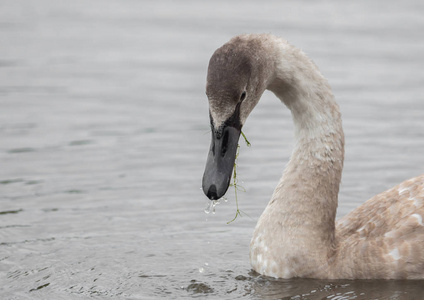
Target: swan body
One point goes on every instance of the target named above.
(297, 234)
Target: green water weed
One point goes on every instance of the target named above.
(238, 187)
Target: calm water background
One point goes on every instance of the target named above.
(104, 135)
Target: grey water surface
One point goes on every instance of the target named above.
(104, 133)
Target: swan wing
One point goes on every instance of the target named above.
(385, 235)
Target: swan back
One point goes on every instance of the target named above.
(384, 237)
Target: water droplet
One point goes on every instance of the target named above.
(201, 270)
(210, 207)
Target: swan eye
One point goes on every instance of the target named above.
(243, 96)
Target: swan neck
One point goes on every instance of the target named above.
(310, 183)
(303, 207)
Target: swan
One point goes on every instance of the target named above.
(297, 234)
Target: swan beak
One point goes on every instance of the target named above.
(220, 162)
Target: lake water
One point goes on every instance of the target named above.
(104, 134)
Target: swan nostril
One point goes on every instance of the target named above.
(213, 147)
(224, 143)
(212, 194)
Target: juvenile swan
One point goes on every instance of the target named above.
(296, 235)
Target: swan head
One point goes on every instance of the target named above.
(237, 76)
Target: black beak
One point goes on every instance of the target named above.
(222, 154)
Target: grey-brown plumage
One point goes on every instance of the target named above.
(297, 235)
